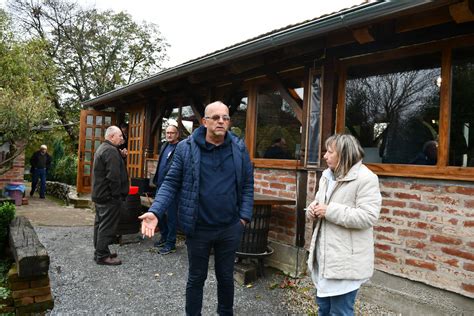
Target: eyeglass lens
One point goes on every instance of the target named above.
(217, 117)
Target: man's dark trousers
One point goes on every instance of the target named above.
(39, 174)
(107, 217)
(225, 242)
(167, 225)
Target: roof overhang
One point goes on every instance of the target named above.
(344, 19)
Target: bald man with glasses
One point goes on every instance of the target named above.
(212, 177)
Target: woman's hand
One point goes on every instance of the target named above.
(320, 210)
(310, 210)
(315, 210)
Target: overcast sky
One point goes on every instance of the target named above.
(195, 28)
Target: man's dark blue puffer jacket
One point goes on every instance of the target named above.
(182, 181)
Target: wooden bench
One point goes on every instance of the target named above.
(30, 255)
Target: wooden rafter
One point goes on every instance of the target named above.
(295, 103)
(197, 110)
(462, 12)
(363, 35)
(232, 98)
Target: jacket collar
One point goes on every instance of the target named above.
(353, 172)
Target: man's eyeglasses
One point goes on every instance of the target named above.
(216, 118)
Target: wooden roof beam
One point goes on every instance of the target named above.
(363, 35)
(423, 20)
(295, 103)
(462, 12)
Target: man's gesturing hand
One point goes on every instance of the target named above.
(149, 223)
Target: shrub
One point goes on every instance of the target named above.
(63, 166)
(5, 292)
(7, 213)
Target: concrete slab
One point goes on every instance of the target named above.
(47, 212)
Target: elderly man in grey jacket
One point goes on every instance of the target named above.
(109, 190)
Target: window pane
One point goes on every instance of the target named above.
(89, 119)
(87, 170)
(87, 156)
(108, 120)
(88, 144)
(314, 121)
(98, 120)
(89, 132)
(278, 129)
(393, 109)
(98, 132)
(239, 117)
(187, 115)
(461, 149)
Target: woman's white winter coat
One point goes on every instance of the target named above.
(346, 232)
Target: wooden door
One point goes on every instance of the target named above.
(92, 130)
(135, 143)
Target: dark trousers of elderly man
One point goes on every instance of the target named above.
(38, 174)
(107, 217)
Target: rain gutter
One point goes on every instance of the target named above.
(332, 22)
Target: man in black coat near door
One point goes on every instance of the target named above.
(109, 191)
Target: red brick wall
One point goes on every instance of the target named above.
(426, 232)
(280, 183)
(16, 173)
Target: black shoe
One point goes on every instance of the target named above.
(160, 243)
(31, 194)
(108, 261)
(42, 197)
(112, 255)
(166, 250)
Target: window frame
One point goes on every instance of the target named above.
(251, 133)
(314, 72)
(441, 170)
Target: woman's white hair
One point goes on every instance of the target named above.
(348, 150)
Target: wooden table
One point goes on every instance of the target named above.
(261, 199)
(258, 199)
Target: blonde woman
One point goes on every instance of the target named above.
(345, 208)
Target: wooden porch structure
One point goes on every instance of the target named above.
(331, 74)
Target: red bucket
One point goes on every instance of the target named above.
(133, 190)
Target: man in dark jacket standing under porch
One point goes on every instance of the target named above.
(212, 175)
(109, 191)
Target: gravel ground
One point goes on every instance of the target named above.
(148, 283)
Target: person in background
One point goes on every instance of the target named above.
(345, 208)
(167, 223)
(428, 154)
(109, 191)
(277, 150)
(123, 147)
(212, 175)
(40, 163)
